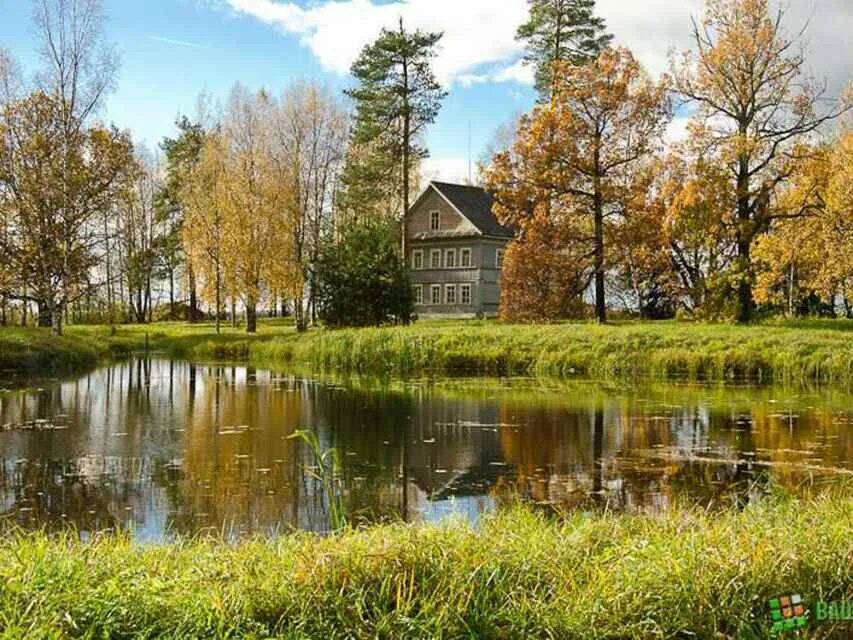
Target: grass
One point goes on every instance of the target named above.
(684, 574)
(800, 352)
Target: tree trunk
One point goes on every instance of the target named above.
(233, 313)
(45, 316)
(171, 294)
(251, 316)
(745, 304)
(407, 133)
(598, 212)
(56, 321)
(192, 311)
(299, 314)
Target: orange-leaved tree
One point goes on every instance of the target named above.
(572, 160)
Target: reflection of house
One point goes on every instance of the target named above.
(455, 248)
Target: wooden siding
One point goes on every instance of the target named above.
(482, 275)
(418, 220)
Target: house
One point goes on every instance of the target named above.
(455, 248)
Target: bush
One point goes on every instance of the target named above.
(361, 280)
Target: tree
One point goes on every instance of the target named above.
(397, 97)
(56, 183)
(803, 265)
(182, 155)
(559, 31)
(361, 280)
(79, 66)
(542, 278)
(311, 135)
(754, 106)
(696, 199)
(203, 224)
(137, 236)
(573, 157)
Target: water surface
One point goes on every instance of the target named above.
(166, 447)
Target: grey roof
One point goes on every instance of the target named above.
(475, 204)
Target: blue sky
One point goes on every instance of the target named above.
(171, 50)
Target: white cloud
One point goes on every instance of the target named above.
(479, 35)
(447, 170)
(476, 32)
(518, 72)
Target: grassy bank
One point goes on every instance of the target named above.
(817, 352)
(36, 351)
(685, 574)
(821, 352)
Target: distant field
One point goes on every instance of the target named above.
(807, 352)
(685, 574)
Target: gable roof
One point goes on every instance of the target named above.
(474, 204)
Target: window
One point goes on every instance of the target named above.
(435, 294)
(435, 259)
(434, 220)
(465, 293)
(450, 294)
(499, 258)
(449, 258)
(418, 259)
(419, 293)
(465, 258)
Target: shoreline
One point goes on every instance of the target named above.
(807, 353)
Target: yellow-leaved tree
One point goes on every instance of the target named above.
(805, 264)
(755, 107)
(239, 226)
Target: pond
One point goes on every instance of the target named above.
(164, 448)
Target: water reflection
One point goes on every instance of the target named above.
(164, 447)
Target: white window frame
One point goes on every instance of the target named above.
(462, 289)
(432, 254)
(417, 253)
(463, 252)
(448, 288)
(433, 298)
(434, 220)
(418, 292)
(499, 258)
(447, 253)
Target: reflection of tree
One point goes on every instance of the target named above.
(148, 445)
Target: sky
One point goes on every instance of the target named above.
(171, 50)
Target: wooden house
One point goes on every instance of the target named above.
(455, 249)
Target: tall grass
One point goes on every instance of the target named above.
(327, 470)
(686, 574)
(816, 352)
(822, 354)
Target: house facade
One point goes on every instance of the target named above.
(455, 252)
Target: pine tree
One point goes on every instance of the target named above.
(561, 31)
(396, 98)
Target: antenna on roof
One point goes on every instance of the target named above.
(469, 153)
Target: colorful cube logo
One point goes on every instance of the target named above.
(787, 613)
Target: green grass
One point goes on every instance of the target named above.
(36, 351)
(821, 352)
(800, 352)
(685, 574)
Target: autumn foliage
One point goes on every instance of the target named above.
(572, 164)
